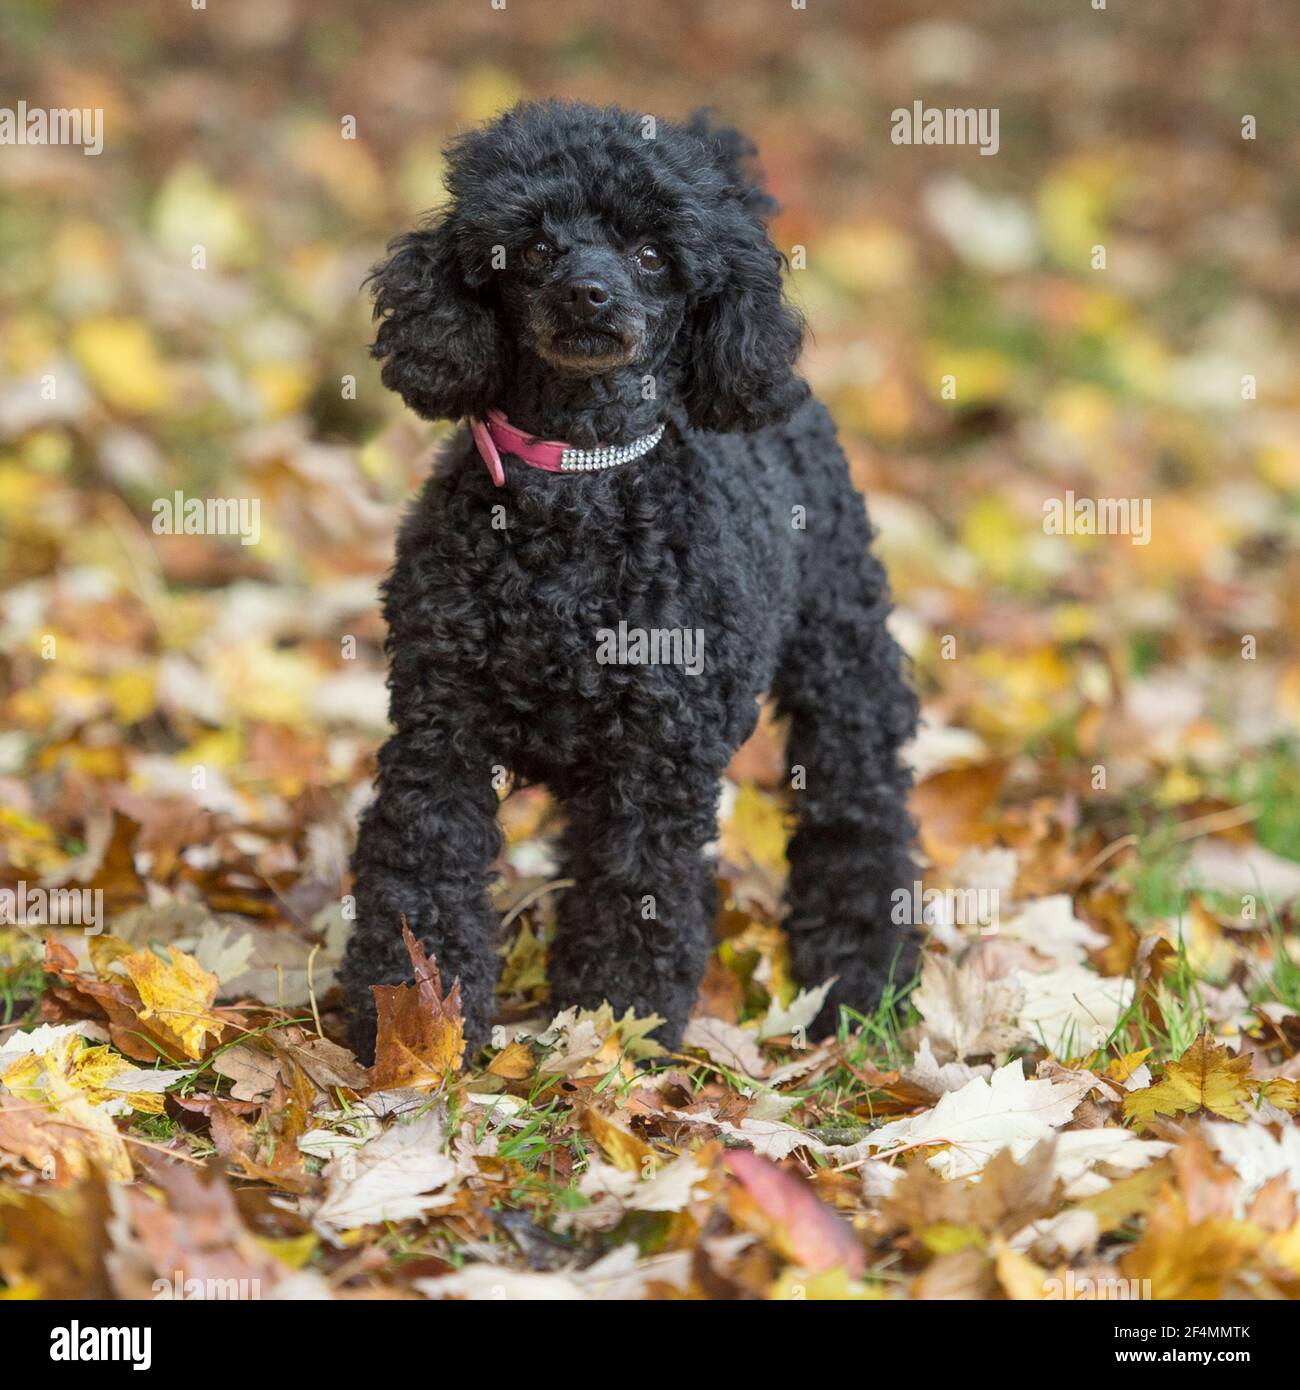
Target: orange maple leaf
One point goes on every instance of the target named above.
(420, 1034)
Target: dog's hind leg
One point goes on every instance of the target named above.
(841, 682)
(424, 854)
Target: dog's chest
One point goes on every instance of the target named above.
(647, 608)
(603, 614)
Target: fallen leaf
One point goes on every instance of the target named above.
(420, 1036)
(179, 993)
(727, 1044)
(792, 1218)
(1206, 1077)
(972, 1124)
(400, 1175)
(795, 1017)
(965, 1013)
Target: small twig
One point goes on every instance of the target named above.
(530, 898)
(900, 1149)
(1216, 820)
(1097, 860)
(311, 990)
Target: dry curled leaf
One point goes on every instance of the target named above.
(420, 1035)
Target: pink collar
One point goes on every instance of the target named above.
(498, 436)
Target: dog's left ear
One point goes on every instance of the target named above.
(742, 338)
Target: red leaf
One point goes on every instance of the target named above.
(815, 1235)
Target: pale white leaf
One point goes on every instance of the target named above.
(612, 1192)
(141, 1080)
(1050, 927)
(1072, 1009)
(802, 1009)
(223, 954)
(927, 1075)
(1257, 1156)
(392, 1178)
(727, 1044)
(984, 1117)
(965, 1013)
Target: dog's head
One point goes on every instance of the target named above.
(586, 242)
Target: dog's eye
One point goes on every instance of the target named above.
(650, 258)
(539, 252)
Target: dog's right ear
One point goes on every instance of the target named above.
(437, 338)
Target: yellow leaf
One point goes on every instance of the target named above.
(757, 830)
(524, 968)
(1285, 1248)
(264, 684)
(1185, 1260)
(1206, 1077)
(220, 748)
(293, 1251)
(122, 361)
(980, 375)
(1072, 204)
(1126, 1197)
(179, 993)
(943, 1238)
(1121, 1068)
(824, 1286)
(1284, 1094)
(625, 1150)
(1023, 1280)
(996, 534)
(282, 387)
(514, 1062)
(88, 1069)
(191, 199)
(134, 694)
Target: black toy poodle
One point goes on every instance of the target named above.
(647, 525)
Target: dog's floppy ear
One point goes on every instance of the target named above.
(742, 338)
(436, 339)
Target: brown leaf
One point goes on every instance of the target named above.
(951, 809)
(330, 1066)
(1207, 1186)
(420, 1036)
(1007, 1196)
(197, 1233)
(57, 1239)
(253, 1071)
(965, 1274)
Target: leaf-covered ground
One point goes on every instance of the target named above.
(1091, 1089)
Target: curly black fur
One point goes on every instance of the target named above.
(742, 524)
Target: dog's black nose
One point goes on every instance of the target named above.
(586, 296)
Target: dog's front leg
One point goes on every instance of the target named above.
(424, 854)
(636, 928)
